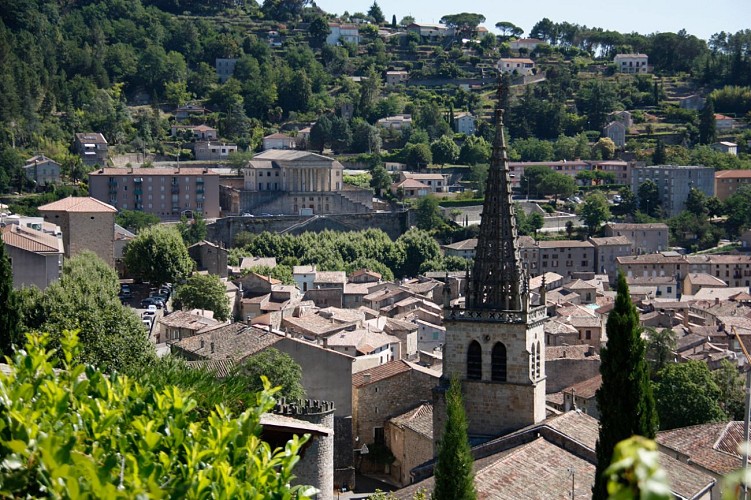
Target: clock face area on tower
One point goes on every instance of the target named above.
(495, 340)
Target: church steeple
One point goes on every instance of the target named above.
(498, 281)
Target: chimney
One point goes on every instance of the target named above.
(366, 376)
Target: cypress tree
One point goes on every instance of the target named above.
(454, 478)
(10, 318)
(707, 124)
(624, 399)
(393, 21)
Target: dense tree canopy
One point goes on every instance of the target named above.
(158, 255)
(204, 291)
(686, 394)
(85, 299)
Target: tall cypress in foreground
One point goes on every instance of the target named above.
(624, 399)
(9, 315)
(454, 478)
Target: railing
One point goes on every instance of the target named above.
(534, 314)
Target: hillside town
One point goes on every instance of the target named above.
(332, 231)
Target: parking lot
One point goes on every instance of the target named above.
(140, 291)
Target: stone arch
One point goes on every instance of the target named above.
(474, 361)
(498, 363)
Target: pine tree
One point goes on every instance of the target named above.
(454, 479)
(624, 399)
(10, 334)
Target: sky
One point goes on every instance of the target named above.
(702, 18)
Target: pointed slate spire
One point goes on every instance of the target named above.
(498, 281)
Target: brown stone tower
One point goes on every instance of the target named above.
(495, 343)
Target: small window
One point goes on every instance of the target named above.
(498, 363)
(474, 361)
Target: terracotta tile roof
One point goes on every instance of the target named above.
(155, 171)
(419, 419)
(556, 327)
(732, 174)
(539, 466)
(333, 277)
(637, 227)
(539, 469)
(184, 319)
(235, 341)
(250, 262)
(84, 204)
(610, 240)
(564, 244)
(569, 351)
(586, 388)
(31, 240)
(704, 279)
(411, 183)
(381, 372)
(711, 446)
(220, 367)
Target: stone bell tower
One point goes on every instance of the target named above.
(495, 343)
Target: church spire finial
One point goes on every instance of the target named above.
(496, 277)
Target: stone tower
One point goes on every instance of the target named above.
(495, 342)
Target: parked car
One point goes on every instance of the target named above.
(152, 301)
(147, 323)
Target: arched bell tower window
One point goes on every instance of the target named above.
(498, 363)
(474, 361)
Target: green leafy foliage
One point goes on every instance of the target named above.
(660, 347)
(686, 394)
(595, 211)
(192, 231)
(636, 473)
(85, 299)
(349, 251)
(204, 291)
(454, 478)
(625, 400)
(279, 368)
(10, 315)
(76, 432)
(158, 255)
(135, 220)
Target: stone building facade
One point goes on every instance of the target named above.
(86, 224)
(644, 238)
(386, 391)
(299, 182)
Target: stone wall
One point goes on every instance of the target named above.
(410, 449)
(392, 223)
(375, 403)
(494, 408)
(565, 372)
(316, 466)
